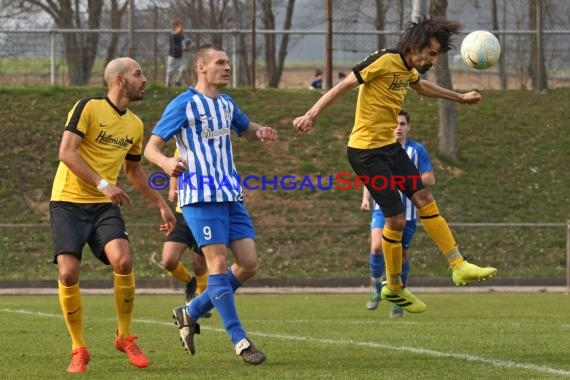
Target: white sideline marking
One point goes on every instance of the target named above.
(335, 342)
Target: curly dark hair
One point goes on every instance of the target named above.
(418, 34)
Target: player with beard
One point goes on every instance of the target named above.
(384, 78)
(101, 136)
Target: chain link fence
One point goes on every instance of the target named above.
(32, 51)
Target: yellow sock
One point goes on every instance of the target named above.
(181, 273)
(438, 230)
(70, 302)
(201, 282)
(392, 248)
(124, 302)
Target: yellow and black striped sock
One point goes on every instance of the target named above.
(438, 230)
(70, 303)
(201, 282)
(181, 273)
(392, 248)
(124, 290)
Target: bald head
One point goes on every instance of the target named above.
(125, 81)
(118, 66)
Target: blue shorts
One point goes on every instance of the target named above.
(218, 222)
(378, 221)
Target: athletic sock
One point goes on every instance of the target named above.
(222, 296)
(124, 291)
(201, 282)
(234, 282)
(70, 303)
(377, 269)
(438, 230)
(392, 248)
(405, 271)
(203, 304)
(181, 273)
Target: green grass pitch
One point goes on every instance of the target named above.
(305, 336)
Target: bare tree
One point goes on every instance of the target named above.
(535, 56)
(274, 64)
(380, 23)
(244, 75)
(218, 15)
(204, 14)
(80, 49)
(502, 70)
(448, 139)
(117, 12)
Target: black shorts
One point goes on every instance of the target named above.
(183, 234)
(75, 224)
(389, 169)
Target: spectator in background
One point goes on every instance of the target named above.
(341, 76)
(175, 63)
(317, 82)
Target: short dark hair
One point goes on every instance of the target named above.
(406, 114)
(418, 34)
(206, 47)
(176, 23)
(202, 52)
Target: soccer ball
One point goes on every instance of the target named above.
(480, 50)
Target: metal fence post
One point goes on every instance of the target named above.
(52, 58)
(235, 64)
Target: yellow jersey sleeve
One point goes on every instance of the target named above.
(79, 118)
(384, 79)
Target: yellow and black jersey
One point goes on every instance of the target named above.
(109, 137)
(384, 77)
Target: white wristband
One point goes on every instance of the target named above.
(102, 185)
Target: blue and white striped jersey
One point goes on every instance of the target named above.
(201, 127)
(420, 157)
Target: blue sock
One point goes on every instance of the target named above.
(222, 296)
(377, 269)
(201, 305)
(235, 284)
(405, 271)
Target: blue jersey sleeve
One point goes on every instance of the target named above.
(173, 119)
(424, 162)
(240, 121)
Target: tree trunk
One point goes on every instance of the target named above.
(80, 49)
(502, 70)
(532, 49)
(447, 132)
(92, 39)
(276, 77)
(380, 24)
(274, 65)
(448, 137)
(268, 20)
(243, 65)
(117, 13)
